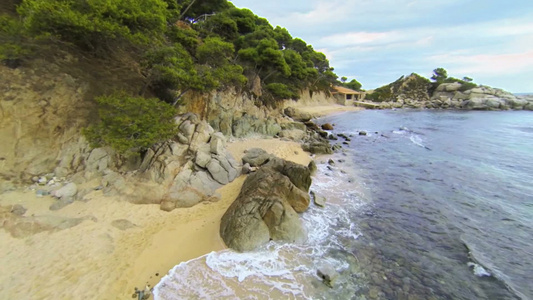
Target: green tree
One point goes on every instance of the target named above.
(353, 84)
(131, 124)
(439, 75)
(169, 69)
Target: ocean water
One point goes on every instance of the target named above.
(427, 205)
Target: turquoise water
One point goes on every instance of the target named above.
(449, 189)
(428, 205)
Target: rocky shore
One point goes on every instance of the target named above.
(71, 212)
(417, 92)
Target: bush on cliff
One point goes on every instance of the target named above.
(93, 24)
(131, 123)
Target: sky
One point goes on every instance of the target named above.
(377, 41)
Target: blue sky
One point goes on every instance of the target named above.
(377, 41)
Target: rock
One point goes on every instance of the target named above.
(201, 181)
(123, 224)
(318, 200)
(18, 210)
(293, 126)
(328, 274)
(256, 157)
(327, 126)
(293, 134)
(42, 193)
(167, 205)
(246, 169)
(187, 129)
(360, 133)
(202, 158)
(312, 167)
(222, 170)
(317, 147)
(98, 160)
(332, 137)
(218, 143)
(331, 162)
(62, 202)
(297, 115)
(267, 207)
(67, 191)
(201, 136)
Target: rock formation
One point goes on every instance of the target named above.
(268, 205)
(415, 91)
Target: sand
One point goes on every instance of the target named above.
(97, 260)
(323, 110)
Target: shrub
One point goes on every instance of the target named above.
(131, 123)
(280, 91)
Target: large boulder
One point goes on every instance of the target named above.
(267, 207)
(297, 115)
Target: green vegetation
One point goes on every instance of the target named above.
(413, 84)
(182, 44)
(14, 46)
(179, 45)
(440, 76)
(131, 123)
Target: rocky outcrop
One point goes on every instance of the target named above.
(267, 207)
(415, 91)
(451, 95)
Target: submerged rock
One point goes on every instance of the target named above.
(267, 207)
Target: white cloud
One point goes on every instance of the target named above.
(486, 64)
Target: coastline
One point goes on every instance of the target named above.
(95, 258)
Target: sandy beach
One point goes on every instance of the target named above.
(99, 259)
(115, 246)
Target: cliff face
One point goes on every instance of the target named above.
(44, 106)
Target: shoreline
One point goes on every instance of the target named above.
(75, 259)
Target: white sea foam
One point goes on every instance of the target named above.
(276, 270)
(478, 270)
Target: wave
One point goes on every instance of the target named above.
(280, 270)
(482, 266)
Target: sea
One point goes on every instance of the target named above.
(427, 205)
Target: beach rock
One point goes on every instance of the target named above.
(267, 207)
(328, 274)
(123, 224)
(317, 147)
(218, 143)
(297, 115)
(327, 126)
(319, 201)
(18, 210)
(256, 157)
(60, 203)
(67, 191)
(202, 158)
(312, 167)
(360, 133)
(293, 134)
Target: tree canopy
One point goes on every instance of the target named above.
(183, 44)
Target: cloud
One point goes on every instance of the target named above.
(486, 64)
